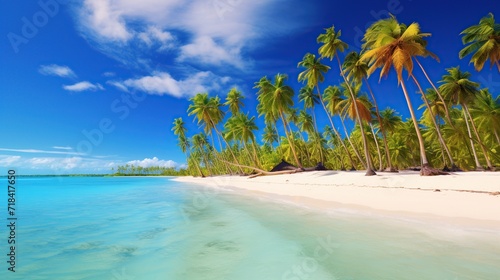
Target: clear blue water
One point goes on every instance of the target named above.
(153, 228)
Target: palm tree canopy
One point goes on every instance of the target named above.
(206, 110)
(355, 68)
(241, 127)
(487, 110)
(436, 105)
(314, 71)
(457, 87)
(484, 41)
(275, 97)
(308, 97)
(390, 120)
(347, 106)
(388, 43)
(270, 136)
(332, 96)
(306, 122)
(234, 101)
(331, 43)
(179, 127)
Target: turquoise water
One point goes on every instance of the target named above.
(153, 228)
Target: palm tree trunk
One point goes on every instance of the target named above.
(369, 169)
(438, 130)
(219, 156)
(290, 141)
(382, 129)
(197, 167)
(447, 113)
(322, 158)
(381, 168)
(478, 164)
(256, 154)
(249, 156)
(496, 136)
(488, 162)
(423, 156)
(227, 144)
(352, 144)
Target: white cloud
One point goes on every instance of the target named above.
(149, 162)
(62, 148)
(105, 19)
(118, 85)
(83, 86)
(8, 161)
(206, 51)
(154, 35)
(162, 83)
(109, 74)
(35, 151)
(57, 70)
(215, 32)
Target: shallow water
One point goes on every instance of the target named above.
(153, 228)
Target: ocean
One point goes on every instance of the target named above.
(154, 228)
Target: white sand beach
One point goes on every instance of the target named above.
(472, 198)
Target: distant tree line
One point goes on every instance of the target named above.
(132, 170)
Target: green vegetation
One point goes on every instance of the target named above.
(132, 170)
(459, 128)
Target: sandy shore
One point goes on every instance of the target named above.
(458, 198)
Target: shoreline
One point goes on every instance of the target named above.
(460, 199)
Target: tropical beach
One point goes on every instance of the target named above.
(244, 140)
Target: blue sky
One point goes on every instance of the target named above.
(88, 85)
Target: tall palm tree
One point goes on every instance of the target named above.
(179, 129)
(332, 97)
(462, 91)
(313, 75)
(234, 101)
(275, 100)
(310, 99)
(436, 125)
(356, 107)
(331, 46)
(387, 43)
(357, 71)
(484, 41)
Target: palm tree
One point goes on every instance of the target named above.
(484, 41)
(270, 136)
(432, 117)
(487, 112)
(356, 105)
(391, 44)
(462, 91)
(234, 101)
(242, 127)
(208, 112)
(357, 71)
(332, 97)
(202, 147)
(310, 99)
(332, 45)
(313, 74)
(275, 100)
